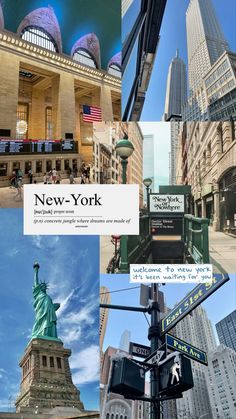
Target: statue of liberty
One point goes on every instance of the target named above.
(45, 325)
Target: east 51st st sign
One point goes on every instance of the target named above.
(191, 301)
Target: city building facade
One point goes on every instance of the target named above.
(208, 162)
(226, 330)
(148, 161)
(176, 89)
(222, 382)
(205, 40)
(175, 128)
(108, 134)
(210, 66)
(48, 94)
(105, 298)
(197, 330)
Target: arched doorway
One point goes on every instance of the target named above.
(227, 189)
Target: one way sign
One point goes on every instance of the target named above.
(155, 357)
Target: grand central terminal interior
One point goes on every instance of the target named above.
(59, 73)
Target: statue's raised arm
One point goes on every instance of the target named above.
(45, 325)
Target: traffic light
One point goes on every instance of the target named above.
(175, 374)
(127, 378)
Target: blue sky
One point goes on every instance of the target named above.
(71, 266)
(217, 306)
(173, 35)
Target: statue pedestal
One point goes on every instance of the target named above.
(46, 378)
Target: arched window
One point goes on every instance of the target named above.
(114, 70)
(84, 57)
(40, 37)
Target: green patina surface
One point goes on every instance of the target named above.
(45, 325)
(76, 18)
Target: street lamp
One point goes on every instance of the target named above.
(124, 148)
(147, 183)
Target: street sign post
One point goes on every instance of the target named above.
(141, 351)
(188, 350)
(191, 301)
(155, 357)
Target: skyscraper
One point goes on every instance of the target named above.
(221, 382)
(226, 330)
(176, 89)
(149, 160)
(197, 330)
(205, 39)
(125, 340)
(174, 143)
(105, 298)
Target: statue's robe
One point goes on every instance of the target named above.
(45, 314)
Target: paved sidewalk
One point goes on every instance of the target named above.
(9, 197)
(222, 250)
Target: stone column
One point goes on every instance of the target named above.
(63, 105)
(106, 103)
(216, 221)
(9, 89)
(37, 125)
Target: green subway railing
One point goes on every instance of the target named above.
(132, 247)
(196, 238)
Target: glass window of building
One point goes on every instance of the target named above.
(28, 165)
(58, 165)
(44, 360)
(22, 121)
(51, 361)
(84, 57)
(3, 169)
(48, 120)
(48, 165)
(40, 37)
(58, 362)
(15, 166)
(114, 70)
(39, 164)
(66, 164)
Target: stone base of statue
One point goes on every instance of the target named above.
(46, 378)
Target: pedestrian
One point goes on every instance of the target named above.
(45, 179)
(50, 177)
(19, 187)
(58, 179)
(71, 178)
(30, 174)
(54, 175)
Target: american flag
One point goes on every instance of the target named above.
(92, 114)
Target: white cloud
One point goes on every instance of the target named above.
(86, 365)
(13, 252)
(71, 334)
(37, 241)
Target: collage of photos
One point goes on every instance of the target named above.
(119, 93)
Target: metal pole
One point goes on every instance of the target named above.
(154, 337)
(124, 169)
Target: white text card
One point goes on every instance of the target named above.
(171, 273)
(81, 209)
